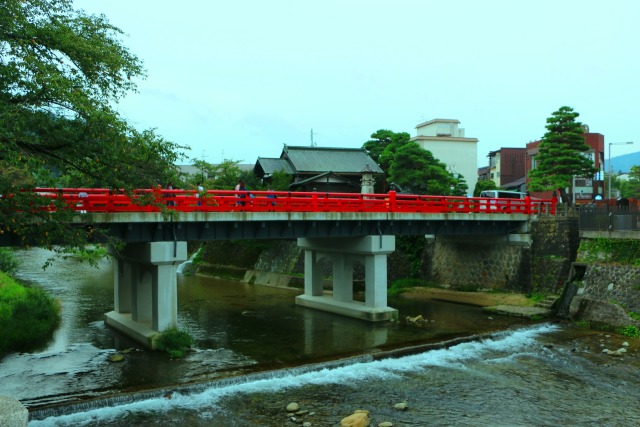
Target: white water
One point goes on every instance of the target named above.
(503, 346)
(181, 267)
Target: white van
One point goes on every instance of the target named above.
(501, 194)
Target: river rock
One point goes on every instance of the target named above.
(385, 424)
(618, 352)
(115, 358)
(12, 412)
(600, 311)
(293, 407)
(360, 418)
(402, 406)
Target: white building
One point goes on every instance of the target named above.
(447, 143)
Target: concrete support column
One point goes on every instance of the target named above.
(342, 278)
(373, 251)
(375, 279)
(145, 289)
(312, 274)
(164, 299)
(141, 292)
(123, 279)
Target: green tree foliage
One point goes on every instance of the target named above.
(416, 171)
(204, 177)
(226, 174)
(631, 188)
(459, 187)
(62, 73)
(560, 156)
(280, 181)
(482, 186)
(383, 145)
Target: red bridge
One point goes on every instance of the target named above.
(344, 228)
(148, 200)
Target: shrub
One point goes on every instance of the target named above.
(8, 263)
(174, 342)
(92, 254)
(28, 316)
(629, 331)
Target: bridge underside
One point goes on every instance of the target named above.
(238, 230)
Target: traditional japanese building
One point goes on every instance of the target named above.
(320, 168)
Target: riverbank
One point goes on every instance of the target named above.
(480, 299)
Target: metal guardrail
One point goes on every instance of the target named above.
(609, 218)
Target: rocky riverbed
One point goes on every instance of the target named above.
(565, 378)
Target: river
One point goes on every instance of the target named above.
(256, 351)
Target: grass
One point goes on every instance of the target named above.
(402, 285)
(536, 297)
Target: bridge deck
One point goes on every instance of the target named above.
(179, 215)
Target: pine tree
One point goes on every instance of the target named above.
(560, 156)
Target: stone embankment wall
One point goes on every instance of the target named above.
(493, 263)
(461, 263)
(470, 264)
(554, 247)
(619, 284)
(281, 263)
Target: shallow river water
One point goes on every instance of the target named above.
(256, 352)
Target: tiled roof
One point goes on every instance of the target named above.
(270, 165)
(326, 159)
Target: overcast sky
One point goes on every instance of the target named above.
(237, 79)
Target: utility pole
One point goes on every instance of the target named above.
(313, 144)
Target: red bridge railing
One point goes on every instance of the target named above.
(153, 200)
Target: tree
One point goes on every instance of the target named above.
(280, 180)
(460, 186)
(384, 144)
(560, 156)
(61, 74)
(481, 186)
(416, 170)
(226, 174)
(631, 188)
(382, 148)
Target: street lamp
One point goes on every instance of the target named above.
(610, 165)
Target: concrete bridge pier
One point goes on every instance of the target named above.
(372, 252)
(145, 289)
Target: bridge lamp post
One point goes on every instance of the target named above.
(610, 165)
